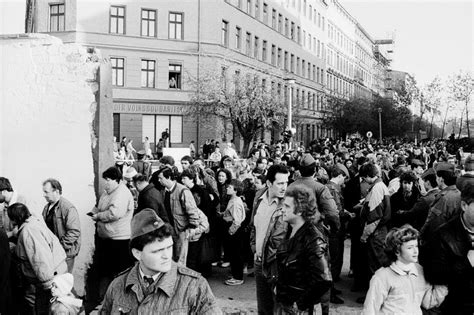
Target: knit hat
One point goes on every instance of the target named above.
(64, 284)
(144, 222)
(307, 160)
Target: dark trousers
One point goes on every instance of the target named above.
(110, 258)
(376, 256)
(336, 253)
(36, 300)
(265, 295)
(236, 242)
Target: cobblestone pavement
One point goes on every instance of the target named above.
(242, 299)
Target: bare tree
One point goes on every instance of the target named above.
(430, 100)
(461, 88)
(244, 98)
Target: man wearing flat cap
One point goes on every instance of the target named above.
(156, 284)
(326, 204)
(447, 203)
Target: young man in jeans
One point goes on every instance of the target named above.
(267, 231)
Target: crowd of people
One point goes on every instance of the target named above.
(279, 215)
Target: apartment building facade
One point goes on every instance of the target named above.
(157, 48)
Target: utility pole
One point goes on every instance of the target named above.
(380, 123)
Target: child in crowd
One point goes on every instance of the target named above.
(401, 288)
(234, 215)
(63, 301)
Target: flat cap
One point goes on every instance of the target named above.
(307, 160)
(144, 222)
(428, 172)
(417, 162)
(141, 152)
(443, 166)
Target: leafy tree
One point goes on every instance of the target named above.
(242, 99)
(461, 89)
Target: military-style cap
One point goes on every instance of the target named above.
(428, 172)
(144, 222)
(307, 160)
(443, 166)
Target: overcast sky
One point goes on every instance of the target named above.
(431, 37)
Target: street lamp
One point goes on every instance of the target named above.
(380, 123)
(290, 82)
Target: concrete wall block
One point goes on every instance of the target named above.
(47, 110)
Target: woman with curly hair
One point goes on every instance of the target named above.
(401, 288)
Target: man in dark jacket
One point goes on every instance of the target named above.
(451, 260)
(267, 231)
(303, 265)
(149, 197)
(447, 203)
(405, 198)
(62, 219)
(416, 216)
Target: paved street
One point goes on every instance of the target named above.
(242, 299)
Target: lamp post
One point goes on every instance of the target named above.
(290, 83)
(380, 123)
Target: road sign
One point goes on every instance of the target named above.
(369, 134)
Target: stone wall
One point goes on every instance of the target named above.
(47, 108)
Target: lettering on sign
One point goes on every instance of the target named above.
(148, 108)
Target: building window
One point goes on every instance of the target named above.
(264, 50)
(225, 33)
(265, 13)
(238, 38)
(285, 61)
(292, 31)
(257, 9)
(176, 26)
(292, 65)
(117, 20)
(298, 35)
(174, 76)
(287, 27)
(248, 42)
(280, 23)
(274, 19)
(255, 47)
(273, 55)
(148, 73)
(117, 71)
(298, 65)
(148, 23)
(279, 57)
(248, 8)
(56, 17)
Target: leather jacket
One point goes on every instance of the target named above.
(303, 267)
